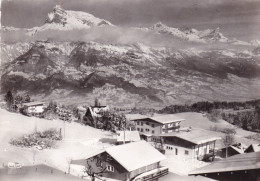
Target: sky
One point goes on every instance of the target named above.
(236, 18)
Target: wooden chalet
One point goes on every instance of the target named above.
(133, 161)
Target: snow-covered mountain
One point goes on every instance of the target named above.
(129, 73)
(61, 19)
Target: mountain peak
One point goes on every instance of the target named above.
(73, 19)
(58, 15)
(57, 7)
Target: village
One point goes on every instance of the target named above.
(96, 143)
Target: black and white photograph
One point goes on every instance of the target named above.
(130, 90)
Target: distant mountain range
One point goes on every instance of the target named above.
(129, 74)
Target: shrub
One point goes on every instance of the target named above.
(45, 139)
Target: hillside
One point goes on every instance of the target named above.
(82, 138)
(137, 74)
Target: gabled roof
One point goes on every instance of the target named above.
(135, 116)
(196, 136)
(131, 156)
(255, 148)
(128, 136)
(240, 147)
(33, 103)
(167, 118)
(135, 155)
(239, 162)
(162, 119)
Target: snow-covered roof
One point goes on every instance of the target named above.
(135, 155)
(162, 119)
(131, 156)
(135, 116)
(246, 161)
(128, 136)
(255, 147)
(33, 103)
(196, 136)
(167, 118)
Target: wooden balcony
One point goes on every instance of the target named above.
(152, 174)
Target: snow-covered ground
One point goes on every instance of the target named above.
(79, 141)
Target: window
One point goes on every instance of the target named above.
(109, 158)
(153, 125)
(170, 125)
(186, 152)
(138, 129)
(153, 131)
(142, 130)
(169, 147)
(176, 151)
(138, 123)
(110, 168)
(147, 129)
(142, 123)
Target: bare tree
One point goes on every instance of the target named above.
(95, 167)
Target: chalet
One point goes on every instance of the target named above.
(93, 112)
(133, 161)
(253, 148)
(34, 108)
(127, 137)
(190, 143)
(235, 168)
(234, 149)
(156, 125)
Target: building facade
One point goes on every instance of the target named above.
(34, 108)
(133, 161)
(153, 126)
(195, 143)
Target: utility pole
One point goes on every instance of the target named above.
(64, 130)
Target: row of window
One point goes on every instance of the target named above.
(110, 168)
(141, 123)
(142, 130)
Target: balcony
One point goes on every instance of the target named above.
(152, 174)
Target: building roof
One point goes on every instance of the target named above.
(167, 118)
(82, 161)
(240, 147)
(135, 116)
(131, 156)
(162, 119)
(255, 147)
(247, 161)
(135, 155)
(128, 136)
(196, 136)
(33, 103)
